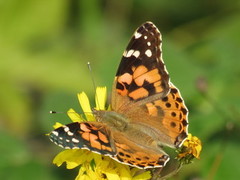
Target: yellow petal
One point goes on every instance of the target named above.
(87, 173)
(124, 171)
(74, 116)
(101, 98)
(189, 136)
(143, 176)
(111, 174)
(82, 174)
(198, 149)
(82, 177)
(72, 157)
(94, 174)
(84, 103)
(57, 125)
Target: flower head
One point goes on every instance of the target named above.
(191, 148)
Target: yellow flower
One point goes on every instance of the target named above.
(191, 148)
(92, 165)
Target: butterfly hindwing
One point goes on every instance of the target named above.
(164, 119)
(136, 155)
(171, 113)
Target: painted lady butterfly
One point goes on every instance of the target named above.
(147, 110)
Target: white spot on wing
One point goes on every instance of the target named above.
(70, 133)
(148, 53)
(125, 53)
(55, 133)
(136, 54)
(60, 145)
(137, 35)
(145, 37)
(129, 53)
(75, 140)
(149, 43)
(66, 129)
(55, 142)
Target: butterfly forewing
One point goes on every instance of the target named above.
(86, 135)
(141, 73)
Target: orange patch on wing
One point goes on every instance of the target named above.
(156, 84)
(150, 76)
(173, 133)
(158, 102)
(122, 92)
(103, 137)
(158, 87)
(107, 148)
(86, 136)
(84, 128)
(139, 93)
(168, 114)
(140, 70)
(161, 104)
(176, 129)
(126, 77)
(152, 110)
(93, 141)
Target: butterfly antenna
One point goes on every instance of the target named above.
(55, 112)
(93, 82)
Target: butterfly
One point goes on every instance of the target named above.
(147, 110)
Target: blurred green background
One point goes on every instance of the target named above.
(44, 47)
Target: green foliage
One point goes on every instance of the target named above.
(44, 47)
